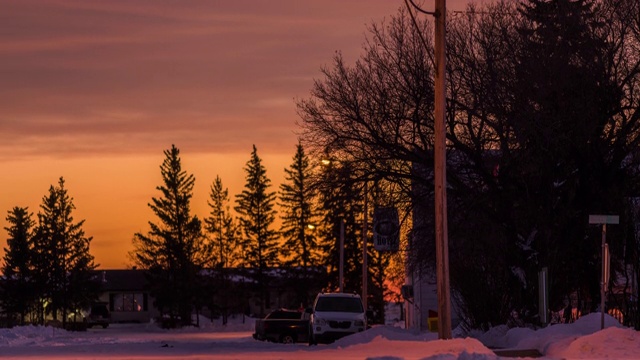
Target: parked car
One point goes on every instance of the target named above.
(99, 316)
(285, 326)
(335, 315)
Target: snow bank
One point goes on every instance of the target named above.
(23, 335)
(385, 332)
(612, 343)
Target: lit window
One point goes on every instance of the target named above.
(128, 302)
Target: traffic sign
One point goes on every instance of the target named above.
(604, 219)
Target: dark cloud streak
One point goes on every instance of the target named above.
(82, 75)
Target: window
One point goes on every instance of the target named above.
(128, 302)
(339, 304)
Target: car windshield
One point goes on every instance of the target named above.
(339, 304)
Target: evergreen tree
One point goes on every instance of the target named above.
(255, 207)
(340, 201)
(564, 98)
(173, 251)
(223, 243)
(297, 206)
(221, 227)
(378, 266)
(63, 264)
(18, 288)
(299, 225)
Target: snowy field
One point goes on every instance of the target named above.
(580, 340)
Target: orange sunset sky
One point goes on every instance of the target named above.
(95, 90)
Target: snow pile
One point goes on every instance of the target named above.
(541, 339)
(612, 343)
(23, 335)
(385, 332)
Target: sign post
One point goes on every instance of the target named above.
(543, 296)
(604, 220)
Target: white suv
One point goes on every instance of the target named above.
(336, 315)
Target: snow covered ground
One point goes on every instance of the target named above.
(580, 340)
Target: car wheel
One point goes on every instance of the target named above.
(287, 339)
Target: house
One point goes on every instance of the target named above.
(125, 292)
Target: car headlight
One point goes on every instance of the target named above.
(319, 321)
(358, 323)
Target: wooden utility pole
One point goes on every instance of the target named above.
(440, 175)
(365, 265)
(341, 266)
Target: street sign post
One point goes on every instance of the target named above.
(604, 220)
(543, 295)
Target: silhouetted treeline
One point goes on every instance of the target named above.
(543, 126)
(178, 250)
